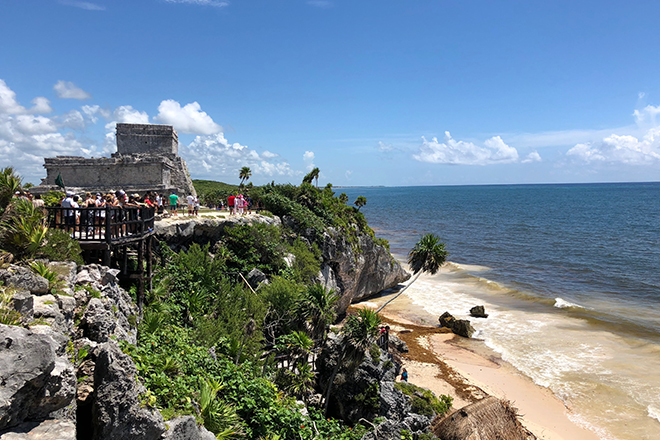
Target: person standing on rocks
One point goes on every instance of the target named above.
(190, 200)
(230, 203)
(174, 200)
(404, 375)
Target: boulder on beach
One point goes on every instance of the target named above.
(461, 327)
(478, 312)
(488, 418)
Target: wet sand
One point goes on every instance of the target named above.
(468, 371)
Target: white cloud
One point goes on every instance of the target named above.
(187, 119)
(91, 112)
(83, 5)
(214, 157)
(127, 114)
(626, 149)
(214, 3)
(534, 156)
(10, 106)
(454, 152)
(268, 155)
(68, 90)
(73, 120)
(308, 158)
(41, 105)
(29, 124)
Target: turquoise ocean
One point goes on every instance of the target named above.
(570, 274)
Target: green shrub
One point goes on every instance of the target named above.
(423, 401)
(370, 397)
(259, 246)
(59, 246)
(307, 262)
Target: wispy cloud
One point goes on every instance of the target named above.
(68, 90)
(83, 5)
(214, 3)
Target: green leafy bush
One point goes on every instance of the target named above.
(423, 401)
(59, 246)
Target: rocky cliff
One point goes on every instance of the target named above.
(62, 371)
(355, 271)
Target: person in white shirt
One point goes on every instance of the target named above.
(190, 200)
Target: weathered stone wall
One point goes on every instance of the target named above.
(147, 138)
(105, 173)
(146, 160)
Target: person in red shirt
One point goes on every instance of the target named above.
(230, 203)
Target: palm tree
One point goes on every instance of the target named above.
(314, 174)
(245, 174)
(427, 256)
(359, 334)
(10, 182)
(360, 202)
(318, 309)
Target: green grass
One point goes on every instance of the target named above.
(208, 186)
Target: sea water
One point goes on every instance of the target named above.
(570, 275)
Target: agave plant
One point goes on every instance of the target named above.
(24, 229)
(219, 416)
(10, 182)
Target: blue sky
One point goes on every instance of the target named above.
(424, 92)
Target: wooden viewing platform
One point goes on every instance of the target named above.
(110, 235)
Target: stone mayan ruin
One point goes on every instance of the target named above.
(147, 159)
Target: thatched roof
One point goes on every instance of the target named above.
(486, 419)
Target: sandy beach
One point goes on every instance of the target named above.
(468, 371)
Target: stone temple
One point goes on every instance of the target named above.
(147, 159)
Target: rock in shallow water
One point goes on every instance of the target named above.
(478, 312)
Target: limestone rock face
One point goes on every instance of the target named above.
(37, 377)
(185, 231)
(23, 278)
(186, 428)
(117, 412)
(358, 274)
(97, 322)
(373, 380)
(46, 430)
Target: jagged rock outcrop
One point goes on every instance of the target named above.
(37, 377)
(117, 412)
(184, 231)
(488, 418)
(45, 430)
(48, 370)
(23, 278)
(186, 428)
(357, 273)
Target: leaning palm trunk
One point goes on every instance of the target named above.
(398, 294)
(427, 255)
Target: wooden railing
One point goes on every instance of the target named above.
(109, 224)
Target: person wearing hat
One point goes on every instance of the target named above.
(69, 214)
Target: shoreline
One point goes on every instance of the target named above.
(467, 370)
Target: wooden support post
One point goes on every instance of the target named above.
(140, 269)
(150, 264)
(124, 259)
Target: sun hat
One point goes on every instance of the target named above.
(70, 193)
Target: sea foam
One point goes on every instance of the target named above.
(563, 304)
